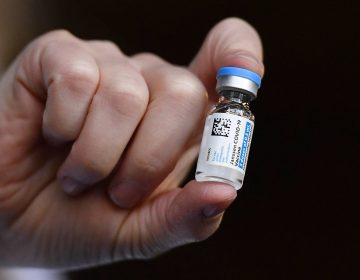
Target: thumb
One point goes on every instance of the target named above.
(197, 210)
(232, 42)
(179, 217)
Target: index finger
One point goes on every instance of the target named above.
(232, 42)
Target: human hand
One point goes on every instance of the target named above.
(80, 116)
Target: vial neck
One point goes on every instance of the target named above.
(234, 96)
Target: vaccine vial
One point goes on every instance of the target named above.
(228, 128)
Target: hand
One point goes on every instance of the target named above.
(81, 117)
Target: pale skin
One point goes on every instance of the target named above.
(95, 146)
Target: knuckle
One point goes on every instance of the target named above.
(68, 65)
(77, 74)
(147, 58)
(185, 88)
(106, 45)
(148, 166)
(56, 35)
(129, 97)
(60, 33)
(50, 39)
(79, 71)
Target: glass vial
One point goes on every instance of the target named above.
(228, 128)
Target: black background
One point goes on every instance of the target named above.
(297, 216)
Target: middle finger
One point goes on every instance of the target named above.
(177, 104)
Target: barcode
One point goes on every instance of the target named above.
(221, 127)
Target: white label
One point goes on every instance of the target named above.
(226, 140)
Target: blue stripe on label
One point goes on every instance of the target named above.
(244, 147)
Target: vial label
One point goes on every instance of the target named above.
(226, 141)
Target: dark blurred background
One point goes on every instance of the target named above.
(297, 216)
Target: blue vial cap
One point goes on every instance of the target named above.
(239, 72)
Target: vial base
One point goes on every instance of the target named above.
(209, 172)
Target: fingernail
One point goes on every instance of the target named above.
(250, 57)
(212, 211)
(74, 179)
(125, 195)
(245, 60)
(72, 186)
(216, 209)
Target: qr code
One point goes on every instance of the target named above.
(221, 127)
